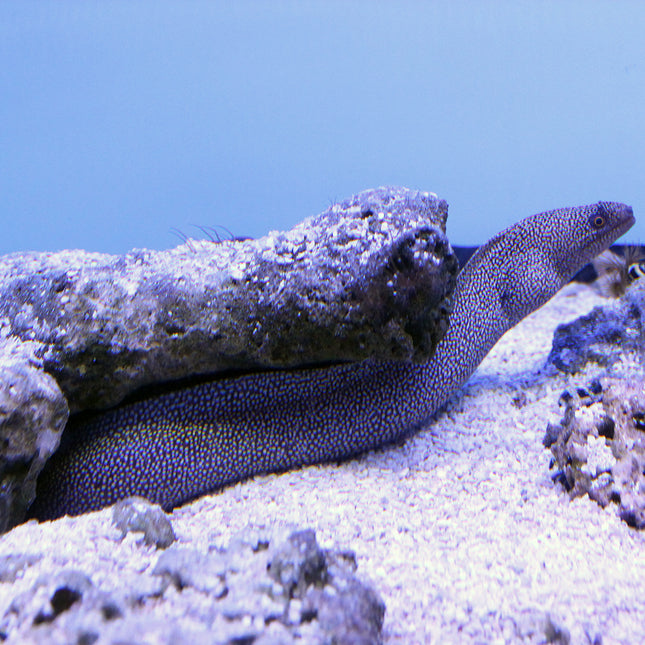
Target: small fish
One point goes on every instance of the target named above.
(636, 270)
(617, 272)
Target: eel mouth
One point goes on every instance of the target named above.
(625, 222)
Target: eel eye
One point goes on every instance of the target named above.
(598, 221)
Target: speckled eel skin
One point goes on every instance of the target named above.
(177, 446)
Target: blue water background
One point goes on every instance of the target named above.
(121, 120)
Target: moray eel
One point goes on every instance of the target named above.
(174, 447)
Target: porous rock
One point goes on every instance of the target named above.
(260, 590)
(599, 445)
(138, 515)
(64, 607)
(602, 335)
(33, 414)
(369, 277)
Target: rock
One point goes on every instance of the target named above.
(599, 446)
(185, 567)
(529, 625)
(352, 614)
(519, 399)
(536, 626)
(602, 335)
(266, 591)
(346, 610)
(298, 564)
(64, 602)
(33, 414)
(369, 277)
(136, 514)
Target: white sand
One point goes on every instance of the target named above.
(460, 529)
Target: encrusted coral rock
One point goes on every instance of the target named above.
(599, 446)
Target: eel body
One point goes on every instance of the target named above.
(177, 446)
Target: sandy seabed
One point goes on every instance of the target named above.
(460, 529)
